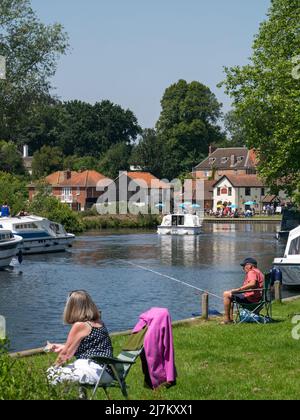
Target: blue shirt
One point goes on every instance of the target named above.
(4, 211)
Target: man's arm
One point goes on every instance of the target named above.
(249, 286)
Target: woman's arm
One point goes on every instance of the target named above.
(78, 332)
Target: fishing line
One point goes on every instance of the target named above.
(171, 278)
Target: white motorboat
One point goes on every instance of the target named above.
(39, 235)
(289, 264)
(9, 247)
(180, 224)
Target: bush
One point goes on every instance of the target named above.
(54, 210)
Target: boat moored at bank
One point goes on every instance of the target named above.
(289, 264)
(39, 235)
(9, 247)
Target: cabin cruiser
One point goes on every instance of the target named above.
(289, 264)
(9, 247)
(180, 224)
(39, 235)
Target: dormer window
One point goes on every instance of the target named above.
(212, 161)
(240, 159)
(224, 160)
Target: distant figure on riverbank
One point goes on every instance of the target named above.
(254, 279)
(5, 210)
(88, 338)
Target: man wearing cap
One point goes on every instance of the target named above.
(250, 292)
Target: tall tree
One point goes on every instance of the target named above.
(11, 159)
(187, 125)
(147, 154)
(115, 159)
(266, 95)
(47, 160)
(31, 50)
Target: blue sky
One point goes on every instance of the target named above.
(130, 51)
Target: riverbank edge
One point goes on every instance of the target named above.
(187, 321)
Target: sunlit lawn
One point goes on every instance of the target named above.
(213, 362)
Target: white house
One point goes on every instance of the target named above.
(239, 190)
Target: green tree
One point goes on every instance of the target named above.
(147, 153)
(116, 159)
(10, 158)
(47, 160)
(187, 125)
(14, 191)
(266, 95)
(93, 129)
(31, 50)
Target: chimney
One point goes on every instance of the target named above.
(67, 174)
(233, 160)
(211, 149)
(25, 151)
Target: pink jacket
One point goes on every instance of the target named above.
(158, 345)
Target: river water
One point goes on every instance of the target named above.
(33, 300)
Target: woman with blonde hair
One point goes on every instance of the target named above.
(88, 338)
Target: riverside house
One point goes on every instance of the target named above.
(80, 190)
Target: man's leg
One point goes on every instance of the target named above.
(228, 307)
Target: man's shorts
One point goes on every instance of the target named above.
(240, 298)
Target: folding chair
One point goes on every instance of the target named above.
(256, 308)
(120, 365)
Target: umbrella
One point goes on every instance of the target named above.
(233, 206)
(196, 206)
(250, 203)
(160, 205)
(187, 203)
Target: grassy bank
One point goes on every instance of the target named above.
(213, 362)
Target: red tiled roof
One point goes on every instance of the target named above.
(243, 181)
(75, 179)
(151, 180)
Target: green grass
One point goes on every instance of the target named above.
(213, 362)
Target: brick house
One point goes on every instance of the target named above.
(80, 190)
(227, 161)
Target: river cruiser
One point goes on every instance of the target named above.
(180, 224)
(39, 235)
(290, 263)
(9, 247)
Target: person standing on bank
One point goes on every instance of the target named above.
(250, 292)
(5, 210)
(88, 338)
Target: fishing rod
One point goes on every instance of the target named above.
(171, 278)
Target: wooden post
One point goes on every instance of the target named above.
(205, 306)
(278, 292)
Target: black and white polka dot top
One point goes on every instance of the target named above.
(97, 343)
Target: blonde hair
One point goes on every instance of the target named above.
(80, 308)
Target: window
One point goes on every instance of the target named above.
(263, 192)
(224, 160)
(240, 159)
(295, 247)
(219, 191)
(230, 191)
(247, 191)
(207, 174)
(212, 161)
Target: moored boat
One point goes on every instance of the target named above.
(39, 234)
(180, 224)
(289, 264)
(9, 247)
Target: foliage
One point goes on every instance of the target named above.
(25, 379)
(51, 208)
(187, 125)
(266, 96)
(147, 154)
(115, 159)
(31, 50)
(10, 158)
(14, 191)
(47, 160)
(77, 163)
